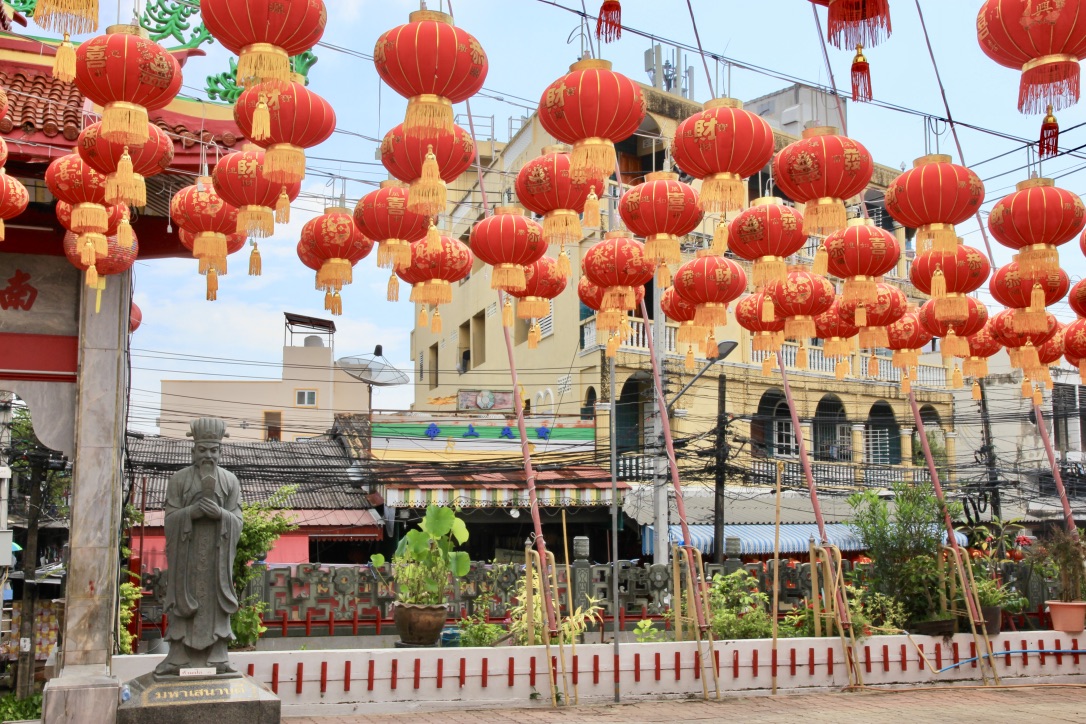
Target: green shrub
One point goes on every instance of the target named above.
(475, 631)
(13, 709)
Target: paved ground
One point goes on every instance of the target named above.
(1032, 704)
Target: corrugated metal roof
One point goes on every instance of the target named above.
(303, 518)
(319, 468)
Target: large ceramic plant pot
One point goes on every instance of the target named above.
(419, 625)
(993, 619)
(1067, 616)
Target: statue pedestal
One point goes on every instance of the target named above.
(203, 700)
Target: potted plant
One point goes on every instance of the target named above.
(995, 598)
(421, 566)
(1065, 551)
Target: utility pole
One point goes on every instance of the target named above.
(25, 671)
(719, 479)
(989, 452)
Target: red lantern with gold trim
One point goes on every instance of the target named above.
(592, 107)
(1076, 298)
(14, 199)
(126, 165)
(284, 120)
(432, 271)
(239, 179)
(433, 64)
(711, 283)
(948, 277)
(932, 197)
(954, 334)
(767, 233)
(508, 241)
(858, 254)
(117, 260)
(798, 299)
(265, 34)
(982, 345)
(70, 179)
(592, 296)
(1022, 346)
(1050, 353)
(874, 317)
(542, 283)
(333, 238)
(618, 263)
(200, 211)
(547, 186)
(234, 243)
(1074, 342)
(383, 215)
(129, 75)
(661, 210)
(116, 214)
(689, 333)
(837, 333)
(856, 22)
(1035, 219)
(1028, 292)
(1043, 40)
(427, 161)
(722, 145)
(905, 338)
(823, 170)
(755, 313)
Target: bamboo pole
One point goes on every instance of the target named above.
(776, 566)
(569, 597)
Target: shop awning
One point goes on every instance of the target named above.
(757, 540)
(501, 496)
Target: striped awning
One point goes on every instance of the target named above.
(500, 496)
(757, 540)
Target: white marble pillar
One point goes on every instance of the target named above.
(85, 690)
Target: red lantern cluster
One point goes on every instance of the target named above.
(265, 35)
(126, 165)
(199, 210)
(129, 75)
(723, 145)
(711, 283)
(433, 64)
(932, 197)
(117, 260)
(592, 107)
(547, 186)
(14, 199)
(592, 296)
(859, 254)
(508, 241)
(683, 312)
(334, 240)
(620, 266)
(240, 180)
(1031, 293)
(800, 297)
(767, 233)
(427, 160)
(1022, 346)
(837, 335)
(661, 210)
(823, 170)
(948, 277)
(71, 180)
(905, 338)
(432, 272)
(284, 119)
(954, 334)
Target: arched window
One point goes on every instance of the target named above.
(588, 410)
(831, 432)
(882, 437)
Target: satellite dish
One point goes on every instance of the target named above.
(373, 369)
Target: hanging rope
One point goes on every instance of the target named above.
(701, 50)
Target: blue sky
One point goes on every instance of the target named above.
(526, 42)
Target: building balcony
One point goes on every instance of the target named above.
(592, 340)
(927, 375)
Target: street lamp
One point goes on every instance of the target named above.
(723, 349)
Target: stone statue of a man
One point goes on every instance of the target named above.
(203, 524)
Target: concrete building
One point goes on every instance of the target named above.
(300, 404)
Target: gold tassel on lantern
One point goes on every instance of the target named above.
(612, 345)
(840, 370)
(1027, 388)
(533, 307)
(723, 191)
(906, 383)
(872, 365)
(663, 276)
(768, 309)
(860, 288)
(1082, 369)
(507, 313)
(663, 248)
(337, 304)
(328, 300)
(282, 207)
(720, 238)
(860, 317)
(254, 261)
(799, 327)
(428, 112)
(1038, 397)
(435, 322)
(101, 245)
(64, 62)
(1037, 303)
(87, 255)
(688, 361)
(768, 269)
(938, 283)
(424, 318)
(124, 122)
(768, 363)
(433, 240)
(978, 394)
(212, 285)
(257, 221)
(953, 308)
(1028, 358)
(92, 277)
(284, 163)
(124, 185)
(975, 367)
(801, 357)
(956, 381)
(873, 337)
(125, 236)
(393, 291)
(824, 216)
(562, 226)
(90, 217)
(592, 156)
(591, 209)
(428, 195)
(563, 266)
(821, 263)
(510, 277)
(534, 335)
(263, 63)
(261, 119)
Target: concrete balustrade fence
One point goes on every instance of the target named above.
(346, 681)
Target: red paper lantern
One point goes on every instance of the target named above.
(798, 299)
(427, 161)
(662, 209)
(1076, 298)
(117, 260)
(954, 334)
(542, 283)
(856, 22)
(1028, 292)
(433, 64)
(1035, 219)
(948, 277)
(874, 317)
(116, 214)
(508, 241)
(71, 180)
(265, 34)
(755, 313)
(334, 240)
(433, 270)
(135, 318)
(234, 243)
(711, 283)
(683, 312)
(284, 120)
(1042, 39)
(836, 331)
(126, 165)
(239, 179)
(858, 254)
(906, 337)
(13, 199)
(982, 345)
(823, 170)
(932, 197)
(1074, 341)
(722, 145)
(592, 296)
(592, 107)
(767, 233)
(546, 186)
(1051, 351)
(213, 223)
(383, 215)
(129, 75)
